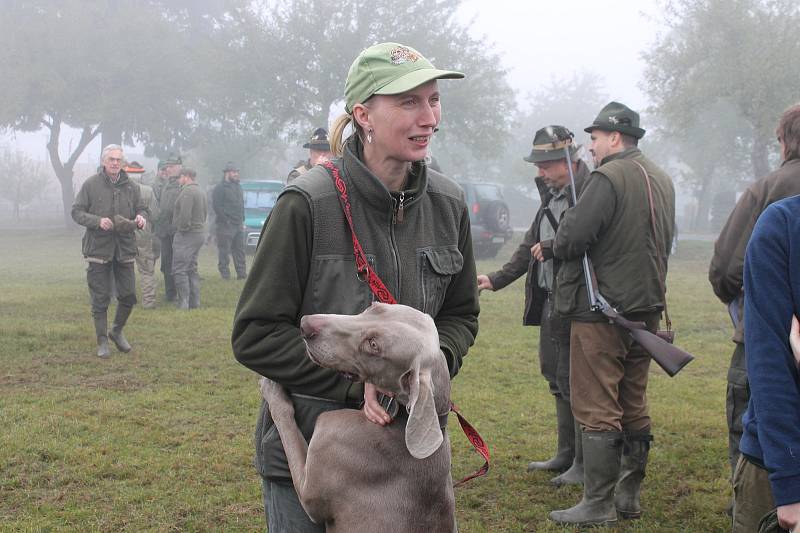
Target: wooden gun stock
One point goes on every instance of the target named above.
(671, 358)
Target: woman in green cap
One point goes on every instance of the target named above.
(413, 226)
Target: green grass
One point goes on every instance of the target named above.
(161, 439)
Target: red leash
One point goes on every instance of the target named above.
(383, 294)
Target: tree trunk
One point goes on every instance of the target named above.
(67, 195)
(64, 170)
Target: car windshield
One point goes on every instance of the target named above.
(487, 193)
(260, 199)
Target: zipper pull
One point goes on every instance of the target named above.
(400, 207)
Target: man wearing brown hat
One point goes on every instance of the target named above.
(624, 222)
(319, 151)
(227, 201)
(534, 257)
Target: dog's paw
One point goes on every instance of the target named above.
(276, 397)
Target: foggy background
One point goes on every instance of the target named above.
(248, 81)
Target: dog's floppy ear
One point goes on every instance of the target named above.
(423, 434)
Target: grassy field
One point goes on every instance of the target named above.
(161, 439)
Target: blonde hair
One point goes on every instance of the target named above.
(337, 132)
(337, 139)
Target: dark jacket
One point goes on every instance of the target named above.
(191, 209)
(100, 198)
(522, 261)
(612, 223)
(727, 265)
(304, 264)
(771, 423)
(227, 201)
(166, 206)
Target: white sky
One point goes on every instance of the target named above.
(536, 41)
(541, 39)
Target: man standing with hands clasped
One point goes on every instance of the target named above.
(111, 208)
(534, 256)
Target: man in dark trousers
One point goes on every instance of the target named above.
(534, 256)
(624, 221)
(165, 229)
(228, 203)
(726, 271)
(111, 208)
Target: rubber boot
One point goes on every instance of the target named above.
(602, 450)
(566, 440)
(635, 453)
(101, 330)
(115, 333)
(573, 476)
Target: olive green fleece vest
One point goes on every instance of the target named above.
(625, 255)
(415, 258)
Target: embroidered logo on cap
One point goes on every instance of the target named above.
(614, 120)
(401, 55)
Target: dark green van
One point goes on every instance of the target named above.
(259, 199)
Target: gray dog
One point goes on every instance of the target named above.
(355, 475)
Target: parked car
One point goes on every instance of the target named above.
(489, 216)
(259, 199)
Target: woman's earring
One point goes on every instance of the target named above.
(369, 136)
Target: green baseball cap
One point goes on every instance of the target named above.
(389, 68)
(549, 144)
(617, 117)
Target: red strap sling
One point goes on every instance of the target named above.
(383, 294)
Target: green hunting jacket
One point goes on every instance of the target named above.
(304, 264)
(99, 198)
(166, 205)
(611, 222)
(191, 209)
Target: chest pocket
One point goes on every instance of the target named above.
(437, 266)
(337, 288)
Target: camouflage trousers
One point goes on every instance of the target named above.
(148, 283)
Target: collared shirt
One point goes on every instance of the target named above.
(558, 204)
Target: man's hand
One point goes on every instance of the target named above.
(140, 221)
(106, 224)
(372, 409)
(789, 516)
(536, 252)
(484, 283)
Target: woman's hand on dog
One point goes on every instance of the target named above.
(372, 409)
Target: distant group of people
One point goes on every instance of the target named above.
(129, 222)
